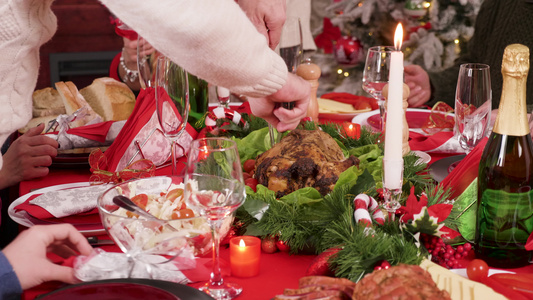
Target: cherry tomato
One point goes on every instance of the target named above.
(363, 105)
(141, 200)
(251, 182)
(249, 165)
(182, 214)
(477, 270)
(246, 175)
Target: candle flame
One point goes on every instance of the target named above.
(242, 244)
(398, 37)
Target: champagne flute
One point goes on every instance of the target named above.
(214, 185)
(376, 75)
(172, 102)
(473, 104)
(291, 50)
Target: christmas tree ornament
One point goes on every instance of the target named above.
(415, 8)
(321, 265)
(348, 50)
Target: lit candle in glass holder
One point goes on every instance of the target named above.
(245, 253)
(352, 130)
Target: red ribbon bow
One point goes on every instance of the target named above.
(138, 169)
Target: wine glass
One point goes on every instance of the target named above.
(172, 102)
(291, 50)
(376, 75)
(146, 62)
(473, 104)
(214, 186)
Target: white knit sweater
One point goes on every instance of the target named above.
(212, 39)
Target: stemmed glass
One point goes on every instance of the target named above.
(291, 50)
(376, 75)
(214, 186)
(473, 104)
(146, 63)
(172, 102)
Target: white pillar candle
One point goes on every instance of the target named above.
(393, 159)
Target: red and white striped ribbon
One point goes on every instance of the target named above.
(364, 205)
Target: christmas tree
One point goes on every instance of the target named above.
(435, 33)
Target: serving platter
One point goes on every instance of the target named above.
(126, 289)
(86, 226)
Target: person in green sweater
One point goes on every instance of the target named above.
(498, 24)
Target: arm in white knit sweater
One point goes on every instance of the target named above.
(212, 39)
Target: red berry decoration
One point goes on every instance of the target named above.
(446, 255)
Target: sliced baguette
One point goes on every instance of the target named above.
(73, 100)
(111, 99)
(47, 102)
(36, 121)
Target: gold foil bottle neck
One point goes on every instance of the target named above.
(512, 112)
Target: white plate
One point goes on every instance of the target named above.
(362, 119)
(462, 272)
(23, 218)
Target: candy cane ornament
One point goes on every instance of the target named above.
(222, 113)
(365, 204)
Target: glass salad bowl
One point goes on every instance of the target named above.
(171, 229)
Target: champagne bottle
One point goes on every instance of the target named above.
(198, 99)
(505, 182)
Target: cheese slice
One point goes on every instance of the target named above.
(332, 106)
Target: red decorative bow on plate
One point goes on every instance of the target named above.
(138, 169)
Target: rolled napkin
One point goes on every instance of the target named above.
(441, 142)
(95, 135)
(64, 203)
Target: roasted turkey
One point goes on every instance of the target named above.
(304, 158)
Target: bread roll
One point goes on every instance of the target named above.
(73, 100)
(36, 121)
(111, 99)
(47, 102)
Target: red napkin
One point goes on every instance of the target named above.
(36, 211)
(142, 120)
(421, 142)
(465, 172)
(96, 132)
(354, 100)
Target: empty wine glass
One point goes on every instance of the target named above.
(214, 186)
(172, 102)
(473, 104)
(376, 74)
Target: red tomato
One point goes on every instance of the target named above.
(249, 165)
(251, 182)
(182, 214)
(246, 175)
(477, 270)
(141, 200)
(363, 105)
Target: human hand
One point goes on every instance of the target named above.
(130, 51)
(28, 157)
(267, 16)
(296, 90)
(417, 80)
(27, 253)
